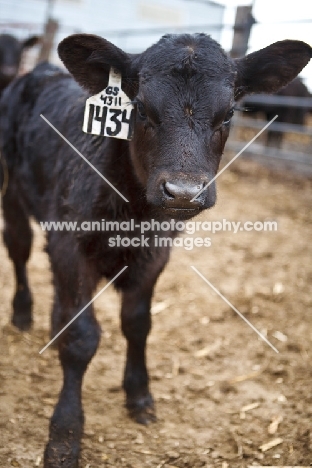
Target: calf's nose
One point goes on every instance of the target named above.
(180, 193)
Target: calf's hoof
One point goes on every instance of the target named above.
(142, 409)
(63, 454)
(21, 322)
(22, 303)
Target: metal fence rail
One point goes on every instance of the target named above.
(275, 126)
(280, 101)
(297, 161)
(257, 149)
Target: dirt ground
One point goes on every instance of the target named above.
(220, 391)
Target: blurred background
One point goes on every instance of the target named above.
(241, 26)
(133, 25)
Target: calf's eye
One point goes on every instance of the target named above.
(228, 117)
(141, 110)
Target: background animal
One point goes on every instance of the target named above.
(286, 114)
(11, 50)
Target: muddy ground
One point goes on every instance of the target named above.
(221, 392)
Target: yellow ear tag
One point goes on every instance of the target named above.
(111, 112)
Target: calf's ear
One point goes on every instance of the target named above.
(89, 59)
(271, 68)
(31, 41)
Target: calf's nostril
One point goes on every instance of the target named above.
(167, 190)
(199, 187)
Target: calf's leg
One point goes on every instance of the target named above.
(17, 236)
(75, 283)
(274, 138)
(77, 345)
(136, 324)
(55, 317)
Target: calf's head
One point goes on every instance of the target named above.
(11, 50)
(184, 88)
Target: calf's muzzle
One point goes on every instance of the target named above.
(178, 195)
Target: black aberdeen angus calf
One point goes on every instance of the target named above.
(184, 89)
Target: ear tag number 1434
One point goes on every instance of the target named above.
(110, 113)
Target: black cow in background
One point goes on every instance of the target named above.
(286, 114)
(11, 50)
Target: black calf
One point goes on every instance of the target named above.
(184, 89)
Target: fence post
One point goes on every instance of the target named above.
(50, 31)
(243, 23)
